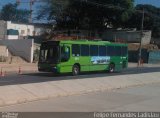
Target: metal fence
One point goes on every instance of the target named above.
(154, 57)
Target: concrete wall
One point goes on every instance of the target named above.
(41, 30)
(23, 48)
(36, 46)
(3, 51)
(146, 37)
(12, 37)
(3, 29)
(127, 36)
(154, 57)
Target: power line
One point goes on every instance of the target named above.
(102, 5)
(31, 3)
(110, 6)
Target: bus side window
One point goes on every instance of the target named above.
(84, 50)
(110, 51)
(124, 51)
(117, 51)
(65, 54)
(75, 50)
(102, 51)
(93, 50)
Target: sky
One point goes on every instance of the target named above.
(153, 2)
(26, 6)
(3, 2)
(21, 6)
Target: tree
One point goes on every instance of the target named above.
(88, 14)
(151, 21)
(10, 12)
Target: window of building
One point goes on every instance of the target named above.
(22, 32)
(28, 30)
(34, 33)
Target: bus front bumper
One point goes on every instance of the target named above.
(48, 69)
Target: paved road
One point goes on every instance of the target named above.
(142, 98)
(44, 77)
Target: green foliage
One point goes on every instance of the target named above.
(36, 55)
(3, 59)
(87, 14)
(151, 21)
(97, 14)
(10, 12)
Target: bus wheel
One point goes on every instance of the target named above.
(75, 70)
(111, 68)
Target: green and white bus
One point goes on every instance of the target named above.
(82, 56)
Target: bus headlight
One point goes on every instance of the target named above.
(54, 69)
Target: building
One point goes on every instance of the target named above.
(13, 30)
(128, 36)
(18, 38)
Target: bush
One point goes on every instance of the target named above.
(3, 59)
(36, 55)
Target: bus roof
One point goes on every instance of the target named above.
(95, 42)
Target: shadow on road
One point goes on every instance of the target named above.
(134, 70)
(46, 77)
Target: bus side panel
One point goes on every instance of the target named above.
(84, 63)
(66, 67)
(117, 60)
(99, 63)
(98, 67)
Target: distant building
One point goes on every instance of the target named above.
(13, 30)
(128, 36)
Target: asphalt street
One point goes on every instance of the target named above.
(38, 77)
(134, 99)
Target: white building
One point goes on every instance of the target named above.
(24, 30)
(14, 36)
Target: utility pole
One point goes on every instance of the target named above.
(140, 45)
(31, 10)
(31, 3)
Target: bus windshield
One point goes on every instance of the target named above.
(49, 54)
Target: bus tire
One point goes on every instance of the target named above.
(75, 70)
(111, 68)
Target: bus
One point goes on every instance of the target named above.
(69, 56)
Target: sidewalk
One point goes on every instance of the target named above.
(14, 68)
(130, 65)
(15, 94)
